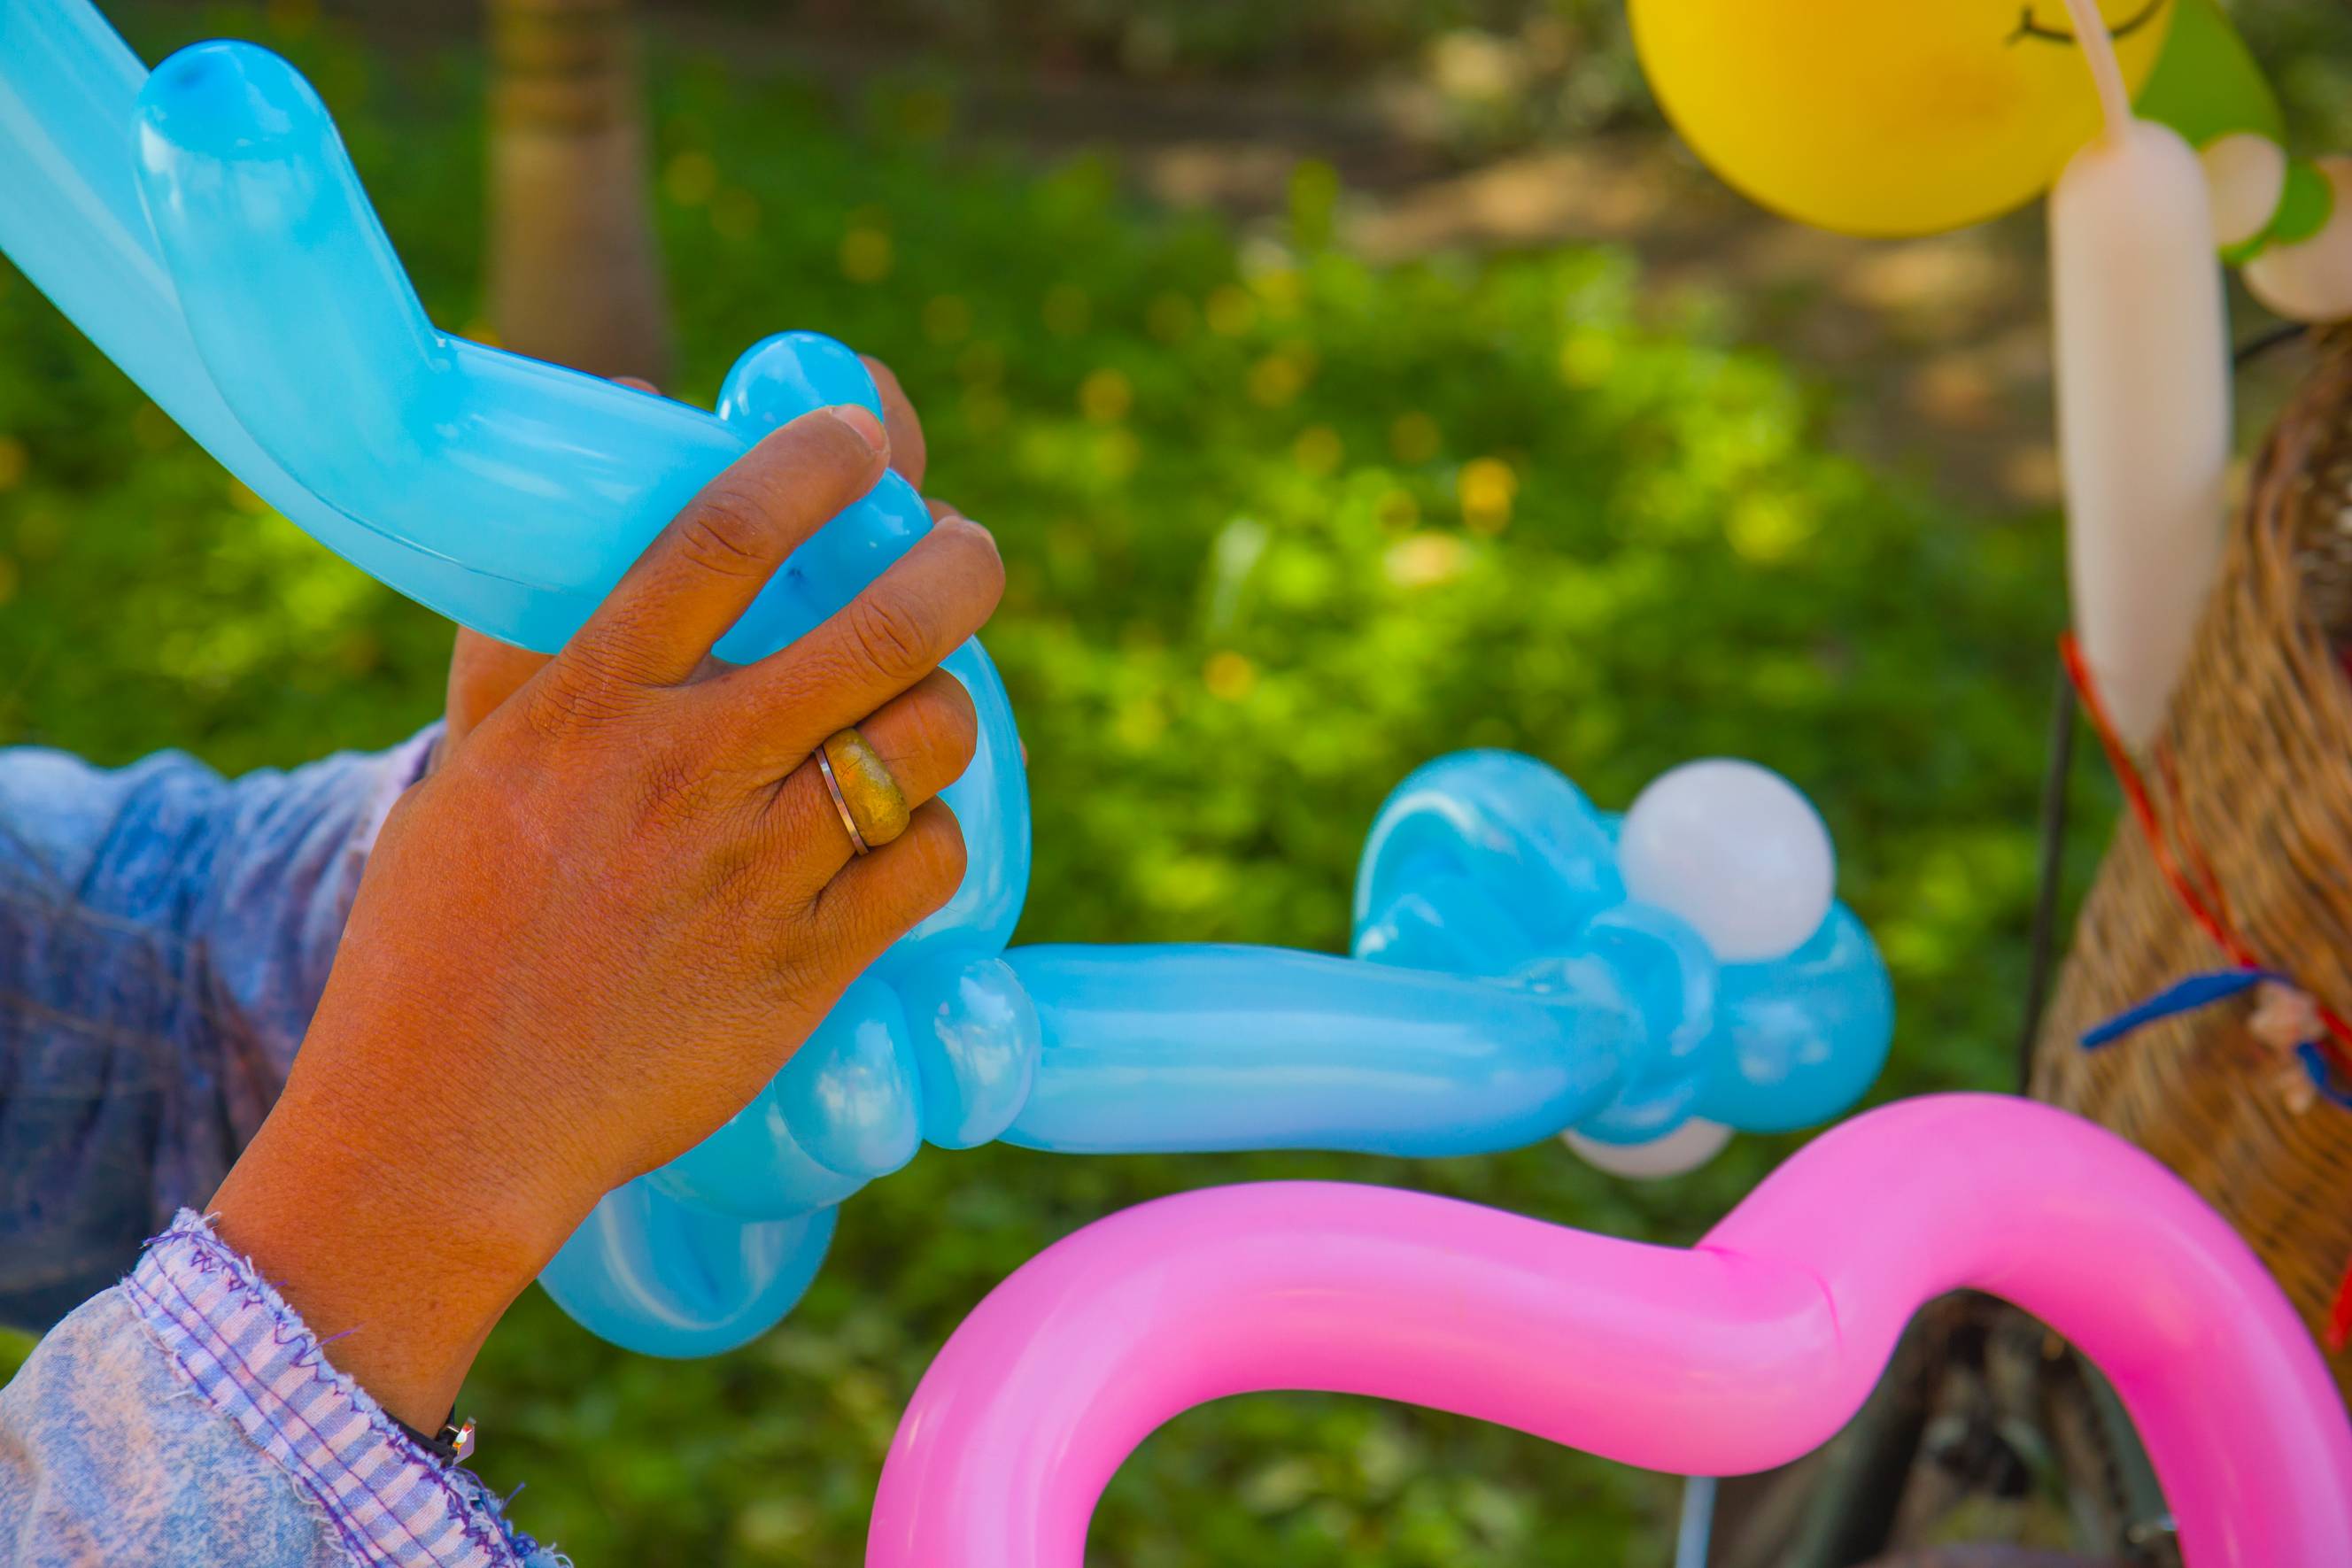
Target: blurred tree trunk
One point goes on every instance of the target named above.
(574, 273)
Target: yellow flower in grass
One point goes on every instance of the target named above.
(1414, 438)
(1486, 488)
(1232, 311)
(867, 255)
(1104, 396)
(1319, 450)
(1229, 677)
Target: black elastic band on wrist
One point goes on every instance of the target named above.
(454, 1444)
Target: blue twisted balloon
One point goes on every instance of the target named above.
(204, 227)
(1505, 989)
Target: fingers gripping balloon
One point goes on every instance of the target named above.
(1517, 974)
(1738, 1355)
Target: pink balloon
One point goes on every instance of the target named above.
(1740, 1353)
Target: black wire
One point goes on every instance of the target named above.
(2055, 779)
(2255, 347)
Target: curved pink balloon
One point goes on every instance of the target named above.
(1742, 1353)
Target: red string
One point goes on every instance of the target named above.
(2217, 898)
(2209, 905)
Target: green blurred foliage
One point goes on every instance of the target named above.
(1279, 525)
(1181, 38)
(1484, 74)
(2306, 48)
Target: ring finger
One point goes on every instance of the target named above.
(923, 738)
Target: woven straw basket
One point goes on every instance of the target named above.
(2259, 785)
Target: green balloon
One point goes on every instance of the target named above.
(2206, 84)
(2305, 205)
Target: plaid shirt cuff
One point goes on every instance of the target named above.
(237, 1344)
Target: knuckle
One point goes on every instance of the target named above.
(890, 636)
(723, 533)
(813, 674)
(576, 698)
(609, 661)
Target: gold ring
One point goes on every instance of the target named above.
(833, 787)
(872, 806)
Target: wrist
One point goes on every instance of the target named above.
(403, 1257)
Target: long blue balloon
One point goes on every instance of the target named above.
(204, 226)
(1504, 989)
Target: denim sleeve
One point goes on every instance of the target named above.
(188, 1416)
(165, 935)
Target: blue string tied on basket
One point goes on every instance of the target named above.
(2197, 991)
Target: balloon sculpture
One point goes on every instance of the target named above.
(1524, 963)
(1736, 1356)
(1507, 985)
(1908, 119)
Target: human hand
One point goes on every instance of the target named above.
(607, 918)
(485, 672)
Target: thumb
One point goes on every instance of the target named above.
(483, 672)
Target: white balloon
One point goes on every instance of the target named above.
(2244, 173)
(1685, 1149)
(2143, 381)
(1735, 850)
(2311, 280)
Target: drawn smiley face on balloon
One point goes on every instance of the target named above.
(1885, 117)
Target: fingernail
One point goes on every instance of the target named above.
(861, 419)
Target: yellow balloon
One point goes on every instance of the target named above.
(1885, 117)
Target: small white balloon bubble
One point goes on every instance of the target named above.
(1683, 1150)
(2244, 173)
(1735, 850)
(2311, 279)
